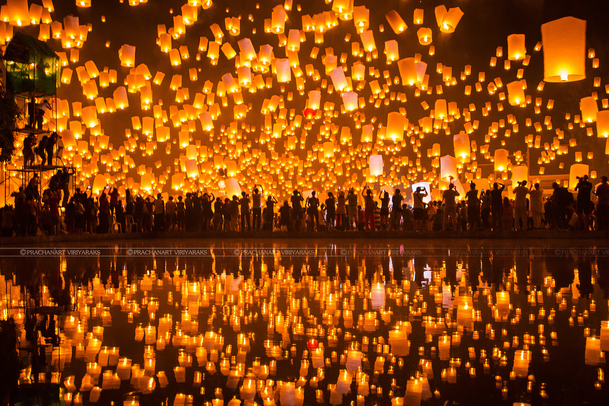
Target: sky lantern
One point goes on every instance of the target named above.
(284, 72)
(519, 173)
(577, 171)
(516, 94)
(376, 165)
(501, 159)
(564, 49)
(411, 71)
(424, 35)
(278, 19)
(367, 38)
(350, 101)
(441, 109)
(18, 12)
(127, 55)
(361, 18)
(121, 100)
(392, 50)
(589, 108)
(396, 22)
(448, 168)
(516, 47)
(246, 49)
(338, 79)
(449, 19)
(418, 15)
(462, 146)
(396, 123)
(602, 123)
(69, 141)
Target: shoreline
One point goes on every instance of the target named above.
(338, 236)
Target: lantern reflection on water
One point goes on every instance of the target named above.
(189, 339)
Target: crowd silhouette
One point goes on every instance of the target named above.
(57, 212)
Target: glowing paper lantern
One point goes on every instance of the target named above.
(396, 22)
(328, 149)
(450, 19)
(338, 78)
(602, 123)
(232, 187)
(448, 168)
(69, 141)
(18, 12)
(441, 108)
(501, 159)
(376, 165)
(350, 101)
(589, 108)
(516, 47)
(564, 49)
(516, 94)
(519, 174)
(367, 38)
(424, 36)
(284, 72)
(396, 123)
(411, 71)
(577, 171)
(462, 146)
(127, 55)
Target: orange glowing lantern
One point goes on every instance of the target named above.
(564, 49)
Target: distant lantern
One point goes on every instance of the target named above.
(462, 146)
(396, 22)
(121, 101)
(516, 47)
(338, 79)
(367, 38)
(417, 16)
(350, 101)
(376, 165)
(448, 168)
(284, 73)
(501, 159)
(602, 123)
(441, 109)
(247, 49)
(564, 49)
(424, 35)
(589, 108)
(577, 171)
(127, 55)
(450, 20)
(278, 17)
(328, 149)
(411, 71)
(516, 94)
(396, 123)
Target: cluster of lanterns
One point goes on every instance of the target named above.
(305, 90)
(343, 336)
